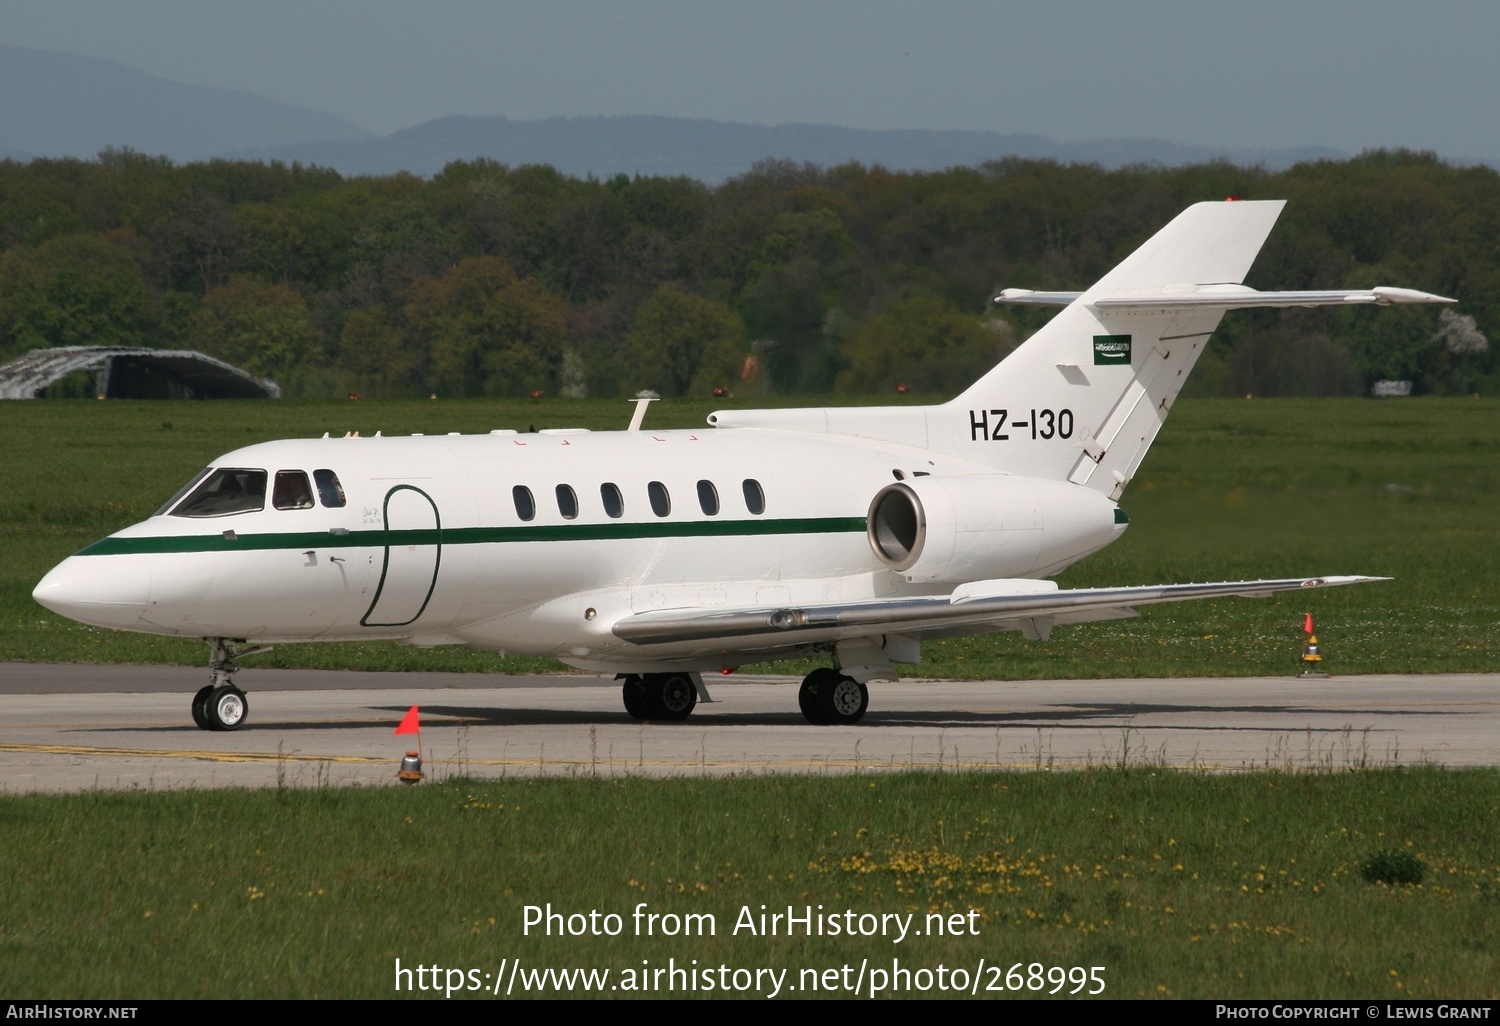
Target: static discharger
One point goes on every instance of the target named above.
(1312, 658)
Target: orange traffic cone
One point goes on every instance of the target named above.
(411, 765)
(1312, 658)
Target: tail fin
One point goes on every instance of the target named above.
(1083, 398)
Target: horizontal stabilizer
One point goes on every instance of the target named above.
(1026, 297)
(1223, 297)
(938, 613)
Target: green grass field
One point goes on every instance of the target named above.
(1232, 489)
(1178, 884)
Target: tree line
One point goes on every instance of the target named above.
(497, 280)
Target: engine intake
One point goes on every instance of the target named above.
(957, 529)
(897, 527)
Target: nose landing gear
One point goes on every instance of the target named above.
(219, 705)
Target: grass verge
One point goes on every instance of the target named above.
(1179, 884)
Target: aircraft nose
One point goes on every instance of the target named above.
(105, 591)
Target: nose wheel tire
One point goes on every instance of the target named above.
(200, 707)
(827, 697)
(225, 708)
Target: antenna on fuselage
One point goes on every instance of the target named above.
(640, 412)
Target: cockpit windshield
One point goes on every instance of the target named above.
(225, 491)
(183, 491)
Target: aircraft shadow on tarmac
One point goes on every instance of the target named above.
(1062, 715)
(1077, 715)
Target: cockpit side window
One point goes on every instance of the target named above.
(292, 491)
(183, 491)
(330, 492)
(226, 491)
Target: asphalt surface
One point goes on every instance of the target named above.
(71, 727)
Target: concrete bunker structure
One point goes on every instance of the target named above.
(127, 373)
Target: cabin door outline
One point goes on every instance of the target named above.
(401, 578)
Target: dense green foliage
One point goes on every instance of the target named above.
(1177, 884)
(492, 280)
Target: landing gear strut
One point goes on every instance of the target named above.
(219, 705)
(659, 696)
(827, 697)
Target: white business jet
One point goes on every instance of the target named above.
(847, 534)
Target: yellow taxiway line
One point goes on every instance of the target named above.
(575, 764)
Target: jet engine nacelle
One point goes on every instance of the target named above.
(959, 529)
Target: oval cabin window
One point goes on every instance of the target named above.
(661, 502)
(525, 504)
(708, 498)
(755, 499)
(614, 502)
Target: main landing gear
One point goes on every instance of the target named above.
(659, 696)
(828, 697)
(219, 705)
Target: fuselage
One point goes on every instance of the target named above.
(538, 543)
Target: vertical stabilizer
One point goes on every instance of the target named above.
(1083, 398)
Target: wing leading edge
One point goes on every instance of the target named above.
(970, 609)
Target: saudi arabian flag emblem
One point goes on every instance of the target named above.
(1111, 349)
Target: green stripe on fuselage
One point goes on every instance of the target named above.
(473, 535)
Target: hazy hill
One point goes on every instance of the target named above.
(715, 150)
(64, 105)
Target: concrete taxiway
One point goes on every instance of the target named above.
(81, 727)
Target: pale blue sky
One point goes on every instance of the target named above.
(1268, 74)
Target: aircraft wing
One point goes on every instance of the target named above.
(983, 605)
(1224, 297)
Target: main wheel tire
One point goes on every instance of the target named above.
(845, 701)
(635, 698)
(670, 696)
(200, 707)
(810, 696)
(226, 708)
